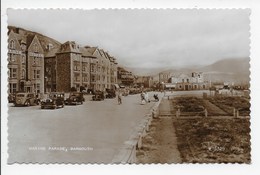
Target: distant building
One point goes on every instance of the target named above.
(125, 77)
(164, 77)
(195, 81)
(144, 81)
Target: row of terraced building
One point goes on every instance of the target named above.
(36, 65)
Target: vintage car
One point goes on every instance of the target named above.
(53, 101)
(11, 98)
(25, 99)
(98, 96)
(75, 98)
(110, 93)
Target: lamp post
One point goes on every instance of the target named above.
(45, 84)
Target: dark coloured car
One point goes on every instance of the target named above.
(110, 93)
(75, 98)
(98, 96)
(11, 98)
(53, 101)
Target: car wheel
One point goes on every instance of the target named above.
(27, 103)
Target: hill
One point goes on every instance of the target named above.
(226, 70)
(230, 70)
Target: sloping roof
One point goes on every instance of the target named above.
(85, 52)
(68, 47)
(29, 40)
(91, 49)
(51, 53)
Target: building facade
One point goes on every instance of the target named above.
(40, 64)
(125, 77)
(144, 81)
(195, 81)
(25, 63)
(164, 77)
(74, 66)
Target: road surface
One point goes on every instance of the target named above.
(88, 133)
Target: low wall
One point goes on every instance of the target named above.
(127, 153)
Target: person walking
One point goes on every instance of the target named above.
(147, 97)
(143, 98)
(119, 97)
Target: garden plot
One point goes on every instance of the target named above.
(189, 106)
(208, 140)
(228, 104)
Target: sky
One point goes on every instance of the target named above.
(147, 38)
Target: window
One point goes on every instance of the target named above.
(13, 72)
(36, 74)
(84, 67)
(35, 61)
(12, 57)
(92, 68)
(35, 47)
(23, 59)
(187, 80)
(12, 87)
(76, 66)
(85, 78)
(76, 77)
(93, 78)
(38, 88)
(23, 74)
(11, 44)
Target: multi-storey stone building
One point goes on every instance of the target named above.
(25, 63)
(75, 66)
(125, 77)
(40, 64)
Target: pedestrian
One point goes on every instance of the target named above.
(147, 98)
(142, 98)
(156, 97)
(119, 97)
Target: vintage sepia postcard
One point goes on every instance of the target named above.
(132, 86)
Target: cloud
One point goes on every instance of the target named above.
(147, 38)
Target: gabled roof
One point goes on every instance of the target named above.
(85, 52)
(91, 49)
(13, 36)
(29, 40)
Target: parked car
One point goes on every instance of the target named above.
(98, 96)
(75, 98)
(11, 98)
(25, 99)
(110, 93)
(53, 101)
